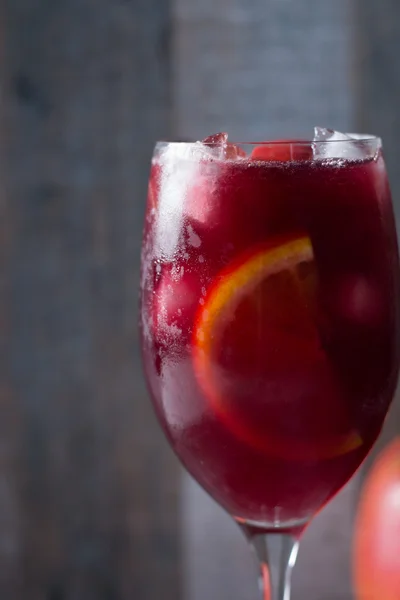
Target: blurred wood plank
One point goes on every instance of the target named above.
(377, 85)
(265, 69)
(262, 69)
(216, 557)
(377, 89)
(88, 493)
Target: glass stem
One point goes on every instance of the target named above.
(276, 553)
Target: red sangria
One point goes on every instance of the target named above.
(269, 316)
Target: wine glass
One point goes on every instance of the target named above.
(269, 324)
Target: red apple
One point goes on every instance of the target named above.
(376, 564)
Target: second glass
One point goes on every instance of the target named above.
(269, 324)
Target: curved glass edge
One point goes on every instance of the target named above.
(359, 147)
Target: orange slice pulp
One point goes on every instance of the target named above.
(278, 393)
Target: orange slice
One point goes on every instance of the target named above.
(258, 358)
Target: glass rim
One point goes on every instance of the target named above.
(356, 138)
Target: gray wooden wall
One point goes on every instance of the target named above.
(92, 503)
(88, 486)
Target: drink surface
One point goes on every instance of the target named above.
(269, 323)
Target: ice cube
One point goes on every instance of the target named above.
(180, 167)
(176, 300)
(338, 145)
(211, 147)
(193, 151)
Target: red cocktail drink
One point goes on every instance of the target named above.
(270, 319)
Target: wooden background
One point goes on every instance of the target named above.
(92, 504)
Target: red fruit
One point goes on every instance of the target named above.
(217, 139)
(283, 150)
(233, 151)
(376, 557)
(229, 150)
